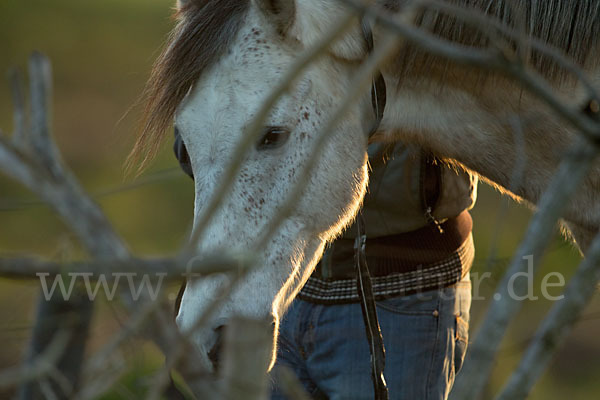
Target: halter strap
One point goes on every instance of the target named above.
(378, 88)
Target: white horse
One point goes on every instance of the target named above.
(224, 58)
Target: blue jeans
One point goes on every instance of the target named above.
(425, 337)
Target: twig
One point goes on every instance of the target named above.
(153, 178)
(38, 167)
(516, 179)
(556, 326)
(480, 357)
(47, 390)
(30, 268)
(364, 78)
(52, 313)
(40, 366)
(133, 325)
(42, 145)
(247, 355)
(255, 127)
(484, 22)
(289, 384)
(41, 170)
(475, 373)
(16, 81)
(177, 357)
(490, 59)
(360, 86)
(104, 379)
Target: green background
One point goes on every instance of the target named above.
(102, 51)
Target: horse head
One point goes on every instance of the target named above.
(264, 39)
(226, 56)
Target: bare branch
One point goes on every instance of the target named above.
(104, 380)
(40, 169)
(491, 59)
(360, 86)
(480, 357)
(485, 23)
(33, 159)
(16, 83)
(247, 355)
(255, 126)
(30, 268)
(178, 354)
(556, 326)
(42, 145)
(39, 367)
(290, 385)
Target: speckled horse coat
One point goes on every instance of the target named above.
(225, 56)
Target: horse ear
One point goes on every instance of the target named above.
(281, 12)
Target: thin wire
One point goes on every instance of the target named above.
(11, 205)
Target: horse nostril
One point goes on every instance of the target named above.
(215, 352)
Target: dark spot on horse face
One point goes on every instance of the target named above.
(306, 115)
(214, 355)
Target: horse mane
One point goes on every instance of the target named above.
(571, 26)
(204, 30)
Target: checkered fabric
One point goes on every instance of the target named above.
(423, 278)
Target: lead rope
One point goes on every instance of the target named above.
(369, 312)
(363, 276)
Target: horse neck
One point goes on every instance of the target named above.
(493, 127)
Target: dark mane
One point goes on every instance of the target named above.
(572, 26)
(205, 28)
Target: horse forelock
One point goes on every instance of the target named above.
(205, 29)
(572, 26)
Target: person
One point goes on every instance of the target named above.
(419, 252)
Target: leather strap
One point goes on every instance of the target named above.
(363, 277)
(369, 311)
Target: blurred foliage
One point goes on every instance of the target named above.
(102, 51)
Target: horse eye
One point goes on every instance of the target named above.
(274, 137)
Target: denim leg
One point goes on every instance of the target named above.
(295, 331)
(425, 337)
(453, 336)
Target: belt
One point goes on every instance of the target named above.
(428, 277)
